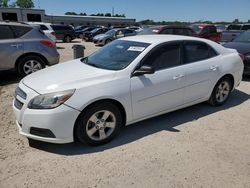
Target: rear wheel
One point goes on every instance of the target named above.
(221, 92)
(99, 124)
(29, 64)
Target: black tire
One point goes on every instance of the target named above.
(82, 123)
(67, 39)
(22, 61)
(213, 99)
(108, 41)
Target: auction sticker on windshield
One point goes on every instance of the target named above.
(136, 48)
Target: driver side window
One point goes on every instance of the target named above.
(165, 56)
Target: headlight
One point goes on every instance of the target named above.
(50, 100)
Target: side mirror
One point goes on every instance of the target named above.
(145, 69)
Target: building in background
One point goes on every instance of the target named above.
(38, 15)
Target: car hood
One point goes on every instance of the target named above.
(71, 75)
(101, 36)
(241, 47)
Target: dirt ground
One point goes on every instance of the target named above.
(200, 146)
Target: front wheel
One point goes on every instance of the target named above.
(29, 64)
(221, 92)
(98, 124)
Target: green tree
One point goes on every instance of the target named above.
(107, 15)
(25, 3)
(4, 3)
(70, 13)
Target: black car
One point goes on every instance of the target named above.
(64, 33)
(91, 34)
(242, 45)
(81, 33)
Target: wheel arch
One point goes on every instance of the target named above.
(230, 76)
(113, 101)
(31, 54)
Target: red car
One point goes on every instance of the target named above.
(206, 31)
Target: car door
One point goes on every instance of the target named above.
(10, 47)
(163, 90)
(201, 70)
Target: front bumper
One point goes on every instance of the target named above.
(60, 121)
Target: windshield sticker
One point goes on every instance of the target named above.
(136, 48)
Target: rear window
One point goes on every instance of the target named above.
(6, 32)
(234, 27)
(59, 27)
(43, 27)
(19, 31)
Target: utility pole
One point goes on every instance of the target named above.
(113, 11)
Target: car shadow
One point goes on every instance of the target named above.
(168, 122)
(9, 77)
(246, 78)
(72, 42)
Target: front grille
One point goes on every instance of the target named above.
(18, 104)
(20, 93)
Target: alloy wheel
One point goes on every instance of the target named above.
(31, 66)
(223, 91)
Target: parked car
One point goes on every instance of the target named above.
(113, 34)
(129, 80)
(137, 29)
(233, 31)
(46, 28)
(25, 48)
(64, 33)
(206, 31)
(242, 45)
(91, 34)
(80, 27)
(243, 27)
(81, 33)
(170, 30)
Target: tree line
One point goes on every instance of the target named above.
(98, 14)
(17, 3)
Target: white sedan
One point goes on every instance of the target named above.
(127, 81)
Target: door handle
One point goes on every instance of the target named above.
(15, 45)
(214, 67)
(178, 77)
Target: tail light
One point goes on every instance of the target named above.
(48, 43)
(53, 33)
(242, 57)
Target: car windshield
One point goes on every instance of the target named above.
(95, 30)
(148, 31)
(111, 32)
(196, 28)
(116, 55)
(244, 37)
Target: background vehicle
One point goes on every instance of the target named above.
(91, 34)
(112, 35)
(25, 48)
(206, 31)
(46, 28)
(64, 33)
(170, 30)
(81, 33)
(80, 27)
(242, 45)
(233, 31)
(154, 78)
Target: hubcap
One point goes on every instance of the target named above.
(31, 66)
(222, 91)
(101, 125)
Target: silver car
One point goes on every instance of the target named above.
(25, 48)
(113, 34)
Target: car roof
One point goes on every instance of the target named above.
(202, 24)
(14, 24)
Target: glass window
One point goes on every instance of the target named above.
(244, 37)
(6, 32)
(165, 56)
(9, 16)
(34, 18)
(43, 27)
(197, 52)
(116, 55)
(212, 29)
(234, 27)
(20, 30)
(168, 31)
(246, 27)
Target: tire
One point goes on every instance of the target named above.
(67, 39)
(93, 122)
(26, 67)
(108, 41)
(221, 92)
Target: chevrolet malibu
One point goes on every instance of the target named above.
(129, 80)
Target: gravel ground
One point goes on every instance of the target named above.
(200, 146)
